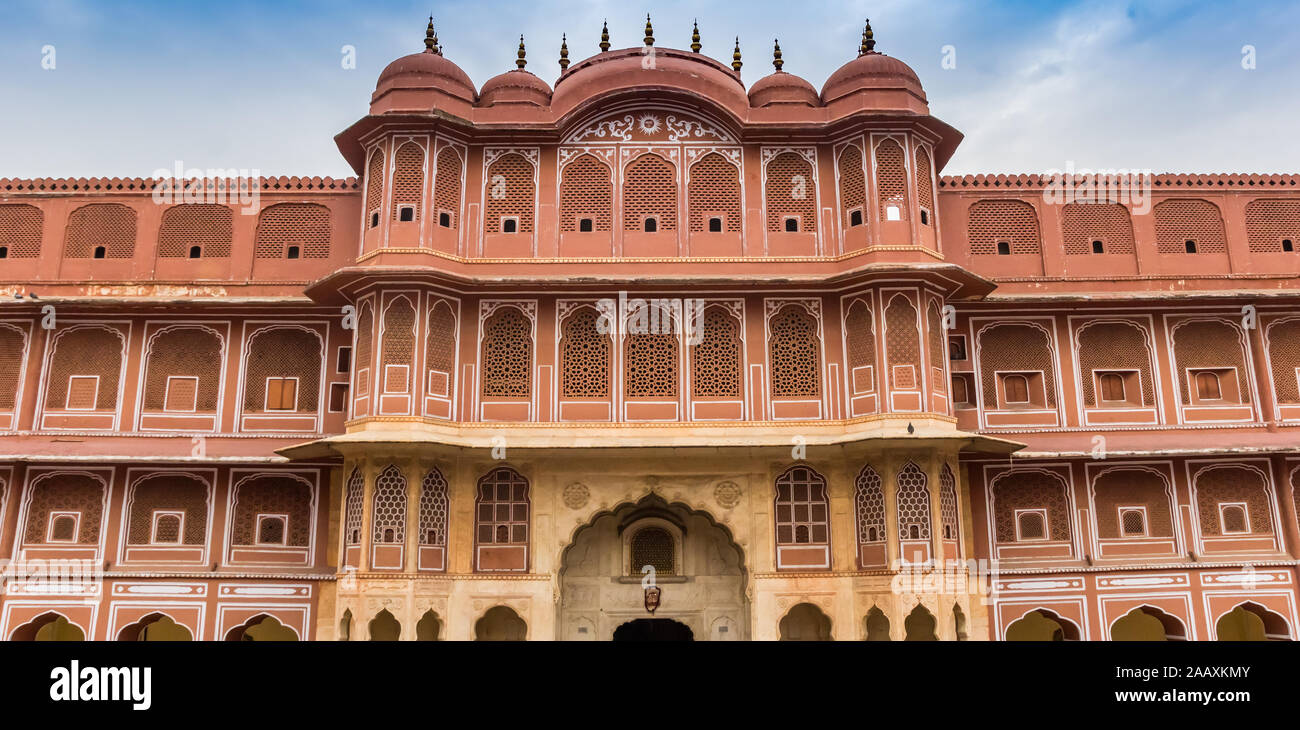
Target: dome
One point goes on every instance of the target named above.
(515, 87)
(783, 88)
(634, 70)
(422, 81)
(874, 72)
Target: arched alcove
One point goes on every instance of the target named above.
(920, 625)
(805, 622)
(1252, 622)
(877, 625)
(385, 627)
(1147, 623)
(155, 627)
(1041, 625)
(500, 623)
(429, 627)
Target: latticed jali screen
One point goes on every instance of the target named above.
(389, 516)
(374, 183)
(1011, 221)
(20, 230)
(1232, 484)
(304, 225)
(200, 224)
(913, 504)
(65, 493)
(853, 181)
(174, 493)
(365, 347)
(1284, 354)
(1019, 348)
(948, 503)
(790, 192)
(715, 360)
(1268, 222)
(802, 510)
(1131, 488)
(584, 356)
(1208, 344)
(440, 344)
(794, 353)
(510, 193)
(1178, 221)
(433, 509)
(649, 191)
(399, 345)
(1114, 346)
(447, 186)
(507, 358)
(586, 191)
(354, 508)
(869, 506)
(501, 511)
(12, 343)
(902, 343)
(1030, 490)
(283, 352)
(891, 178)
(859, 334)
(1109, 223)
(934, 347)
(924, 184)
(714, 190)
(103, 224)
(408, 180)
(184, 352)
(653, 546)
(275, 495)
(86, 352)
(650, 365)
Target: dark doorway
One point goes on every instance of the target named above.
(653, 629)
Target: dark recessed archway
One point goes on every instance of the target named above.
(653, 629)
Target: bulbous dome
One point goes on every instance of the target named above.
(515, 87)
(885, 80)
(783, 88)
(422, 82)
(638, 70)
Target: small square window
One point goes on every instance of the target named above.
(63, 527)
(957, 347)
(338, 397)
(374, 219)
(792, 225)
(100, 252)
(281, 394)
(406, 213)
(650, 225)
(196, 252)
(271, 529)
(4, 252)
(1031, 525)
(855, 218)
(509, 225)
(585, 225)
(1132, 522)
(344, 361)
(1004, 248)
(444, 219)
(1288, 245)
(1098, 246)
(715, 225)
(1189, 245)
(925, 217)
(1234, 519)
(893, 213)
(292, 253)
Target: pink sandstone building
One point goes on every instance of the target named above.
(553, 333)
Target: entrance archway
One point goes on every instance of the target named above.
(805, 622)
(698, 569)
(155, 627)
(653, 629)
(1042, 625)
(49, 627)
(500, 623)
(1147, 623)
(1252, 622)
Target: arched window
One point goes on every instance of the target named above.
(294, 230)
(860, 340)
(584, 356)
(794, 353)
(1021, 353)
(398, 345)
(1120, 346)
(1038, 492)
(65, 507)
(790, 192)
(507, 359)
(501, 520)
(280, 496)
(1031, 526)
(948, 503)
(170, 508)
(586, 194)
(1131, 502)
(802, 508)
(183, 370)
(913, 504)
(100, 231)
(509, 195)
(924, 184)
(207, 226)
(653, 546)
(353, 508)
(869, 505)
(433, 509)
(365, 338)
(716, 357)
(934, 332)
(283, 371)
(1211, 356)
(20, 231)
(1083, 225)
(713, 195)
(374, 187)
(389, 509)
(649, 194)
(1207, 386)
(651, 357)
(85, 369)
(902, 343)
(891, 181)
(805, 622)
(1015, 388)
(853, 185)
(446, 188)
(1189, 226)
(1010, 222)
(440, 350)
(408, 182)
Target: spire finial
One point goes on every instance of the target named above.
(695, 38)
(735, 57)
(521, 61)
(868, 40)
(776, 55)
(604, 37)
(649, 31)
(431, 39)
(564, 53)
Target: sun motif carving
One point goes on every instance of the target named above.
(727, 494)
(648, 124)
(576, 495)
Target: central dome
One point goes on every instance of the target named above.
(649, 67)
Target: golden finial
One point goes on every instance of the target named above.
(776, 55)
(521, 62)
(604, 37)
(649, 31)
(868, 40)
(695, 38)
(564, 53)
(735, 57)
(431, 39)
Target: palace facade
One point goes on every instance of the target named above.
(555, 333)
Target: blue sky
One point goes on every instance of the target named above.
(259, 85)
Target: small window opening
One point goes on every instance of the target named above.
(100, 252)
(292, 253)
(855, 218)
(1190, 245)
(1287, 245)
(1098, 246)
(1004, 248)
(585, 225)
(651, 225)
(406, 214)
(509, 225)
(893, 213)
(444, 219)
(196, 252)
(792, 225)
(925, 217)
(4, 252)
(374, 219)
(715, 225)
